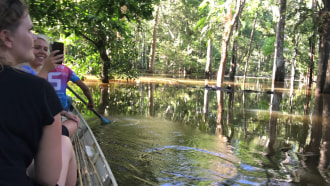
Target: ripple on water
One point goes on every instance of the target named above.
(193, 165)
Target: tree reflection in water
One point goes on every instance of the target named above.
(104, 99)
(269, 147)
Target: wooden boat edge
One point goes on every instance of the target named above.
(83, 124)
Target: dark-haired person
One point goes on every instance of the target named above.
(30, 121)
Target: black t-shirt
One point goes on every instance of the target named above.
(27, 104)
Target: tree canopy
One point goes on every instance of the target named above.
(112, 39)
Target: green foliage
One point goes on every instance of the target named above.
(124, 33)
(179, 46)
(100, 23)
(268, 47)
(124, 57)
(212, 15)
(82, 57)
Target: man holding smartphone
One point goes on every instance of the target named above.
(60, 76)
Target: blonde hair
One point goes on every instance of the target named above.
(43, 37)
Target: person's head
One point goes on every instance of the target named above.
(41, 50)
(16, 38)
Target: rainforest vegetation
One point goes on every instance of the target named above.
(209, 39)
(127, 38)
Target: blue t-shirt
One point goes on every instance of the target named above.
(27, 69)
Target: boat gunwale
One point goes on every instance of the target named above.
(98, 148)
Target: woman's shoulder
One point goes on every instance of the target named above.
(23, 78)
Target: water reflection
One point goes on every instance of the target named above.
(181, 135)
(274, 109)
(104, 99)
(206, 102)
(151, 100)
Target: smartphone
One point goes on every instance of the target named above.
(58, 46)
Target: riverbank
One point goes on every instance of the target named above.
(166, 80)
(150, 79)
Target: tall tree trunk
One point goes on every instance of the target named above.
(226, 37)
(279, 64)
(233, 61)
(310, 69)
(293, 70)
(323, 81)
(324, 61)
(105, 64)
(153, 45)
(145, 45)
(312, 43)
(141, 43)
(249, 49)
(209, 59)
(293, 63)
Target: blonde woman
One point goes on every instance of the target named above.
(41, 66)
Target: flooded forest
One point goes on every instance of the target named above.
(202, 92)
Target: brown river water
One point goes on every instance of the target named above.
(172, 131)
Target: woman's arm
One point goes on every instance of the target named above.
(49, 157)
(87, 93)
